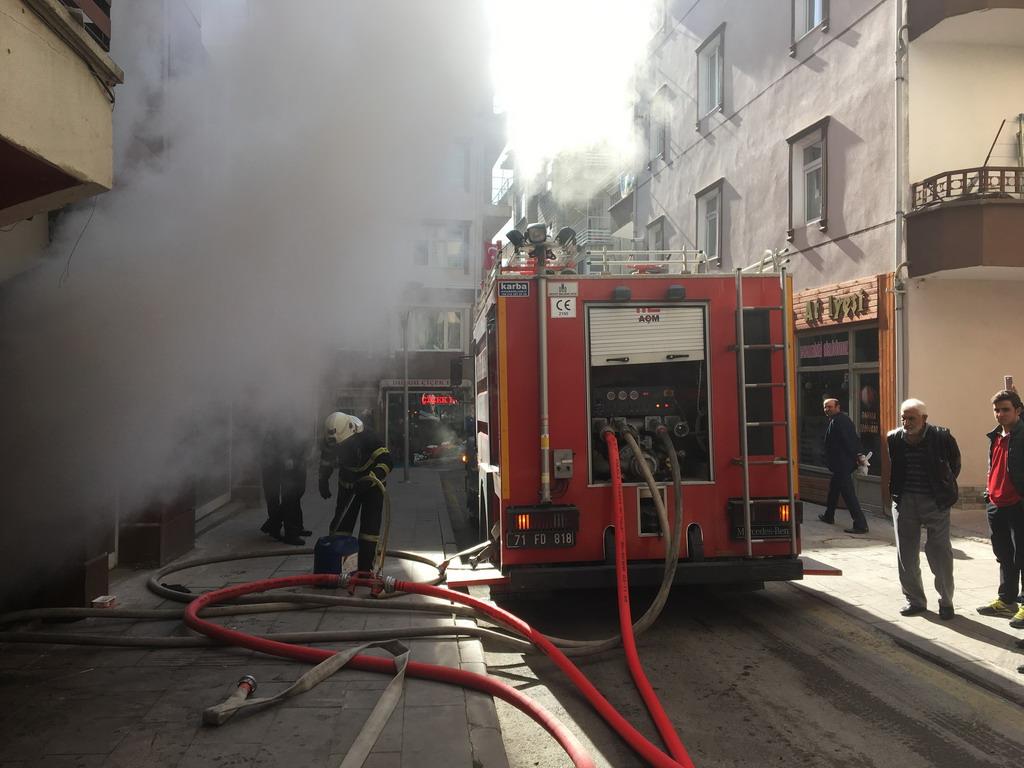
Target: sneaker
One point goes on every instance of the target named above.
(998, 608)
(1017, 622)
(912, 610)
(946, 612)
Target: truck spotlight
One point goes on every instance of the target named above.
(515, 237)
(537, 233)
(675, 293)
(621, 293)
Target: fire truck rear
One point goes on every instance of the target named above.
(678, 362)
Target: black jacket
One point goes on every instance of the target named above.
(358, 457)
(943, 464)
(841, 444)
(1015, 458)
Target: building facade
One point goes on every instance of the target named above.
(877, 145)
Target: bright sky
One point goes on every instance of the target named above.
(563, 73)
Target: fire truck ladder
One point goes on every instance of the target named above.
(744, 459)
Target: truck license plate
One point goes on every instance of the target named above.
(531, 539)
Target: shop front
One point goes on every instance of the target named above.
(437, 418)
(843, 350)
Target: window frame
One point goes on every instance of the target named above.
(701, 198)
(660, 123)
(419, 316)
(656, 225)
(799, 28)
(429, 240)
(812, 134)
(715, 43)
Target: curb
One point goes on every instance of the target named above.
(960, 664)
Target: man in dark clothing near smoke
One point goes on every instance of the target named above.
(363, 463)
(842, 455)
(283, 469)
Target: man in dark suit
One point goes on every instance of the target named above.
(842, 455)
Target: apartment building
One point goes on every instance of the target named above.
(57, 83)
(876, 145)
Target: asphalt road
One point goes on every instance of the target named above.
(768, 678)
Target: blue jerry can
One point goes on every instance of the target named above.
(335, 554)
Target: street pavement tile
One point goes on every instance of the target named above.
(328, 694)
(480, 711)
(224, 753)
(72, 761)
(294, 753)
(383, 760)
(428, 693)
(296, 621)
(488, 747)
(242, 729)
(470, 650)
(435, 652)
(347, 724)
(86, 735)
(365, 698)
(307, 727)
(152, 745)
(436, 736)
(196, 657)
(343, 619)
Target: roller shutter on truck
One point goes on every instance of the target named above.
(637, 335)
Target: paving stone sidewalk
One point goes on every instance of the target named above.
(982, 649)
(63, 705)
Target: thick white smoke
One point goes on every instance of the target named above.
(267, 185)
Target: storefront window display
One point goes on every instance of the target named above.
(843, 365)
(437, 424)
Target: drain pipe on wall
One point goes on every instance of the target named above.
(900, 181)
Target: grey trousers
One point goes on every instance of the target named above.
(914, 511)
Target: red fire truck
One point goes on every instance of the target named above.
(571, 344)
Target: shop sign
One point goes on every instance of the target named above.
(818, 349)
(430, 398)
(846, 307)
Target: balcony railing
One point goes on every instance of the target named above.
(500, 187)
(969, 184)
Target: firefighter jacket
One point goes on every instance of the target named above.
(357, 458)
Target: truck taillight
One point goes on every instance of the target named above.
(784, 513)
(543, 517)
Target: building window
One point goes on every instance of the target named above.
(435, 330)
(661, 121)
(455, 170)
(709, 221)
(443, 244)
(710, 74)
(656, 237)
(808, 178)
(808, 15)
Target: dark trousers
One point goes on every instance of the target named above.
(841, 484)
(283, 499)
(366, 506)
(1007, 527)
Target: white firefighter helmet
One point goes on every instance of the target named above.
(339, 427)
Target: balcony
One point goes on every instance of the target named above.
(969, 25)
(968, 219)
(56, 131)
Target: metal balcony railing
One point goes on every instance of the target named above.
(969, 184)
(500, 188)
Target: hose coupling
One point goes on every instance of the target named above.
(388, 583)
(249, 683)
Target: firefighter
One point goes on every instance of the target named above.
(283, 470)
(363, 463)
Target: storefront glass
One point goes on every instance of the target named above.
(437, 424)
(826, 368)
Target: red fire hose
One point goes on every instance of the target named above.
(661, 720)
(442, 674)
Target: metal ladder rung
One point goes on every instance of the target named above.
(766, 385)
(766, 423)
(780, 460)
(735, 347)
(775, 309)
